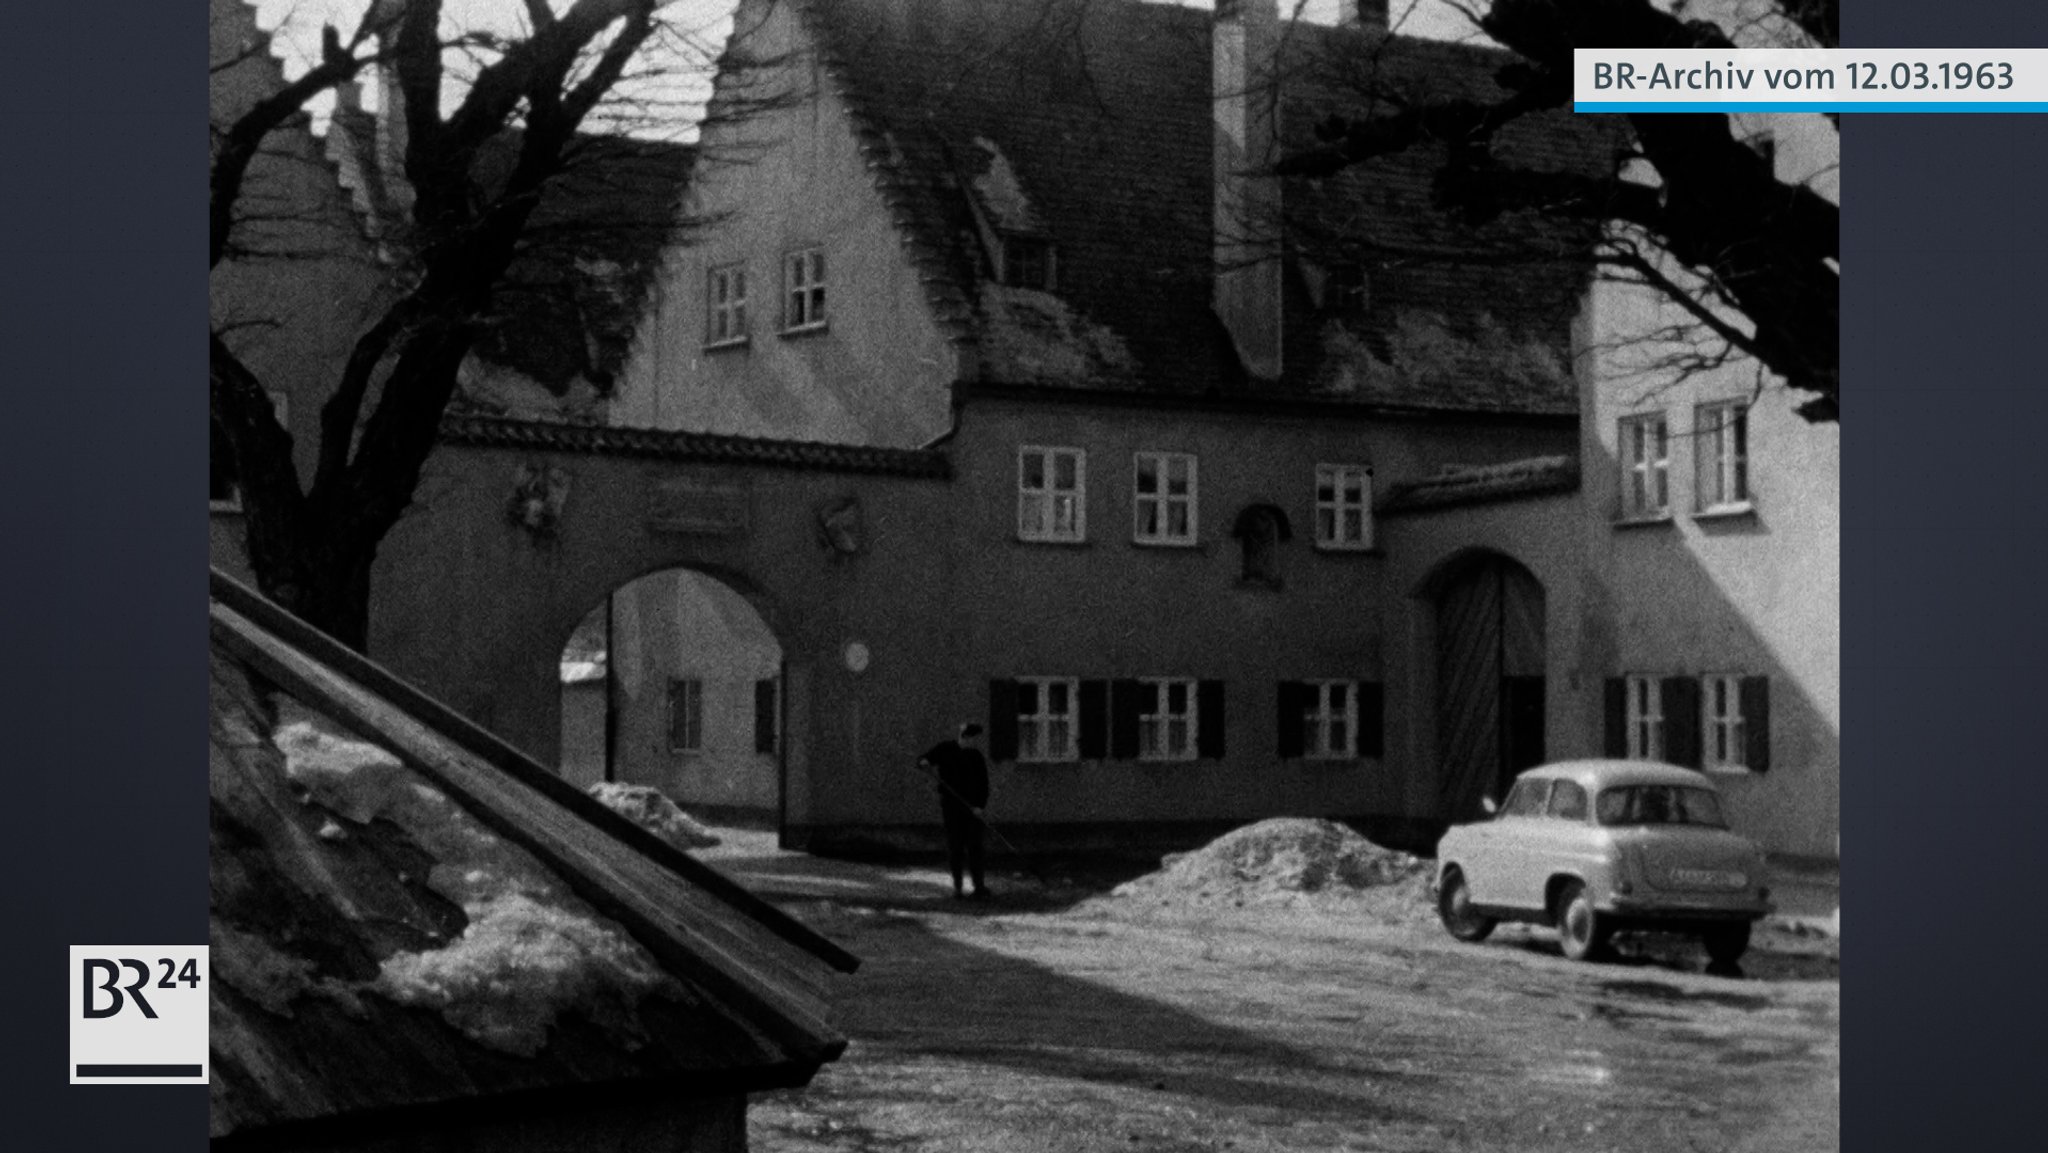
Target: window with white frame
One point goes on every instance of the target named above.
(803, 290)
(725, 292)
(1727, 740)
(1343, 506)
(1051, 483)
(1645, 467)
(1645, 719)
(1332, 719)
(1166, 719)
(685, 715)
(1721, 454)
(1164, 506)
(1048, 718)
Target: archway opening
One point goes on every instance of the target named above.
(676, 681)
(1490, 686)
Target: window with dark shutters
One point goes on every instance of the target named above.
(1291, 719)
(1126, 713)
(1002, 720)
(1209, 720)
(1372, 719)
(1756, 722)
(1094, 734)
(1682, 722)
(1615, 743)
(765, 715)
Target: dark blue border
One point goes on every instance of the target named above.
(102, 668)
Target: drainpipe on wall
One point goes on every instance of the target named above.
(611, 690)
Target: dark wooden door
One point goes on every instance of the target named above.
(1490, 688)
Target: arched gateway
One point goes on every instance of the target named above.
(1489, 624)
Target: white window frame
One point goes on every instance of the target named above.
(1036, 729)
(1645, 717)
(1161, 501)
(725, 305)
(803, 290)
(1158, 724)
(1724, 732)
(1046, 496)
(1332, 534)
(1321, 717)
(693, 727)
(1721, 452)
(1645, 479)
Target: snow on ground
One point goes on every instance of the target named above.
(1288, 861)
(647, 807)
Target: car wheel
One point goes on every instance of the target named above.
(1580, 932)
(1727, 943)
(1454, 906)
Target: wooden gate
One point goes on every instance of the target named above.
(1490, 690)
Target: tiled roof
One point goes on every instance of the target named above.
(1535, 476)
(568, 305)
(660, 444)
(409, 918)
(1098, 113)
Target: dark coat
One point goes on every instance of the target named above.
(963, 775)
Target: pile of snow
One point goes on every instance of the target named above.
(648, 808)
(1289, 861)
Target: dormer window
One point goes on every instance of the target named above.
(1027, 263)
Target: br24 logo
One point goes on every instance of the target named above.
(112, 970)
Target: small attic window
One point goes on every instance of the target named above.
(1027, 262)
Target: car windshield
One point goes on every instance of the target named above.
(1659, 805)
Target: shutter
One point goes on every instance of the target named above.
(1617, 717)
(1002, 720)
(1683, 740)
(1756, 723)
(1123, 720)
(764, 715)
(1289, 719)
(1372, 719)
(1209, 720)
(1094, 734)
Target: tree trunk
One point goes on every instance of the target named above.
(325, 585)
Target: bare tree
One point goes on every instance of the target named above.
(485, 120)
(1751, 259)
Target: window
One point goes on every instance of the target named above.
(1050, 486)
(1164, 508)
(1645, 468)
(1567, 801)
(767, 715)
(1526, 799)
(1331, 720)
(1343, 506)
(1721, 457)
(1048, 716)
(1259, 531)
(1645, 719)
(803, 290)
(1167, 712)
(1027, 263)
(686, 715)
(725, 292)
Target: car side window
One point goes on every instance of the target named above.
(1527, 799)
(1568, 801)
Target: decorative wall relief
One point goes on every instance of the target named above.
(538, 493)
(842, 528)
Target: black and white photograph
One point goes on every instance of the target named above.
(838, 576)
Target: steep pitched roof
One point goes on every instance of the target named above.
(409, 918)
(568, 305)
(1095, 116)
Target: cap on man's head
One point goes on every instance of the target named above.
(970, 729)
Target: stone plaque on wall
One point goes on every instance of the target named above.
(698, 508)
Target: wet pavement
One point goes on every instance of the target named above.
(1031, 1024)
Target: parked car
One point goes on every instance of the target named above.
(1600, 847)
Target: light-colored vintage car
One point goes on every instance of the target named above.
(1600, 847)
